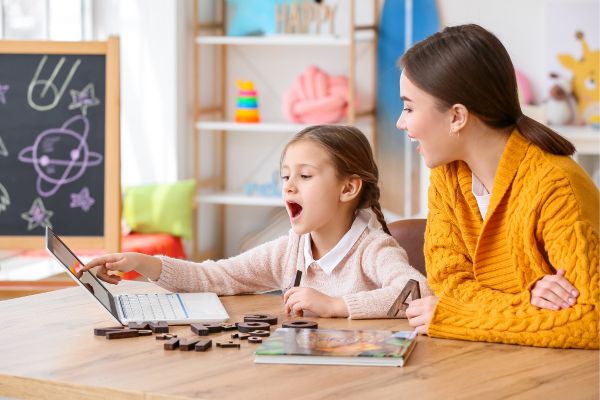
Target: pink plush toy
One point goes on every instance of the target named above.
(524, 88)
(316, 98)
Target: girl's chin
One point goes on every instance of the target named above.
(299, 230)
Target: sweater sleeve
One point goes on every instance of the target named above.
(467, 310)
(385, 263)
(258, 269)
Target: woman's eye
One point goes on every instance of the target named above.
(406, 109)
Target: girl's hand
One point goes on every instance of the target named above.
(123, 262)
(419, 313)
(554, 292)
(299, 299)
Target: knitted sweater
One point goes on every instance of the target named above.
(543, 215)
(368, 278)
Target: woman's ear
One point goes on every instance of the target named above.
(351, 188)
(460, 117)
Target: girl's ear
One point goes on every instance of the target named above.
(351, 188)
(460, 116)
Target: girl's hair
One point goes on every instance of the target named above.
(468, 65)
(351, 154)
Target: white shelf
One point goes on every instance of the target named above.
(585, 139)
(240, 199)
(258, 127)
(286, 40)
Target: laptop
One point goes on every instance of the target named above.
(175, 308)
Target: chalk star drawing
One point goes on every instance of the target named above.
(4, 198)
(37, 215)
(3, 90)
(84, 99)
(3, 149)
(60, 156)
(82, 199)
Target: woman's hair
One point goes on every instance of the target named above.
(351, 154)
(468, 65)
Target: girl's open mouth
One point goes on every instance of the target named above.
(294, 208)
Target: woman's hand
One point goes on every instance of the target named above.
(123, 262)
(554, 292)
(419, 313)
(300, 299)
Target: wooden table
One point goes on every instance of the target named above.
(48, 350)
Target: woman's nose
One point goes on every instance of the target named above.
(401, 124)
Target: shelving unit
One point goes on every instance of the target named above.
(214, 119)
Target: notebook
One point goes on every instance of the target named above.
(336, 347)
(175, 308)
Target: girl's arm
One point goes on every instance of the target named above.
(258, 269)
(386, 264)
(467, 310)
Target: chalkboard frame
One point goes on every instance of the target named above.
(111, 241)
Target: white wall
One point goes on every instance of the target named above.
(154, 80)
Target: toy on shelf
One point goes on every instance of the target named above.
(247, 105)
(559, 105)
(316, 98)
(524, 88)
(271, 189)
(586, 81)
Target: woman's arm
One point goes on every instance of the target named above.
(467, 310)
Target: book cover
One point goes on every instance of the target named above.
(336, 347)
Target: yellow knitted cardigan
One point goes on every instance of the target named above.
(542, 216)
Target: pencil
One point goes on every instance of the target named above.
(297, 280)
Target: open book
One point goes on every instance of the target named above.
(336, 347)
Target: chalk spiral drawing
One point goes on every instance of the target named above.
(49, 84)
(4, 198)
(46, 156)
(37, 215)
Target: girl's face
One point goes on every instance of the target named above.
(311, 188)
(422, 121)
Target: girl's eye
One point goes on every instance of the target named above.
(305, 176)
(406, 109)
(285, 178)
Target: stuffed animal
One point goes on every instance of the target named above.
(586, 81)
(559, 105)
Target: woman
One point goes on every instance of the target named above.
(511, 244)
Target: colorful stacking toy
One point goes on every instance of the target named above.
(247, 105)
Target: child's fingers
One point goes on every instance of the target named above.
(103, 274)
(418, 320)
(422, 329)
(101, 261)
(572, 292)
(119, 265)
(553, 293)
(288, 293)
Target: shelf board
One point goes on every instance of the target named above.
(239, 199)
(257, 127)
(286, 40)
(585, 138)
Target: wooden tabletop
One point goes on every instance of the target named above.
(48, 350)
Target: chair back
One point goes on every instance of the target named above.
(410, 234)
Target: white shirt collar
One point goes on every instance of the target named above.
(330, 260)
(481, 195)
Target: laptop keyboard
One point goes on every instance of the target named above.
(152, 307)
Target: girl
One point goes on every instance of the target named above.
(350, 266)
(511, 244)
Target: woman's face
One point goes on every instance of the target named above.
(423, 121)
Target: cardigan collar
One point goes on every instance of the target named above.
(514, 152)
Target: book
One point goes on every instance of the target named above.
(336, 347)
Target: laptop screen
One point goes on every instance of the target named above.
(72, 264)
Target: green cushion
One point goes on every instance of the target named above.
(160, 208)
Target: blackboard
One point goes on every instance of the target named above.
(57, 143)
